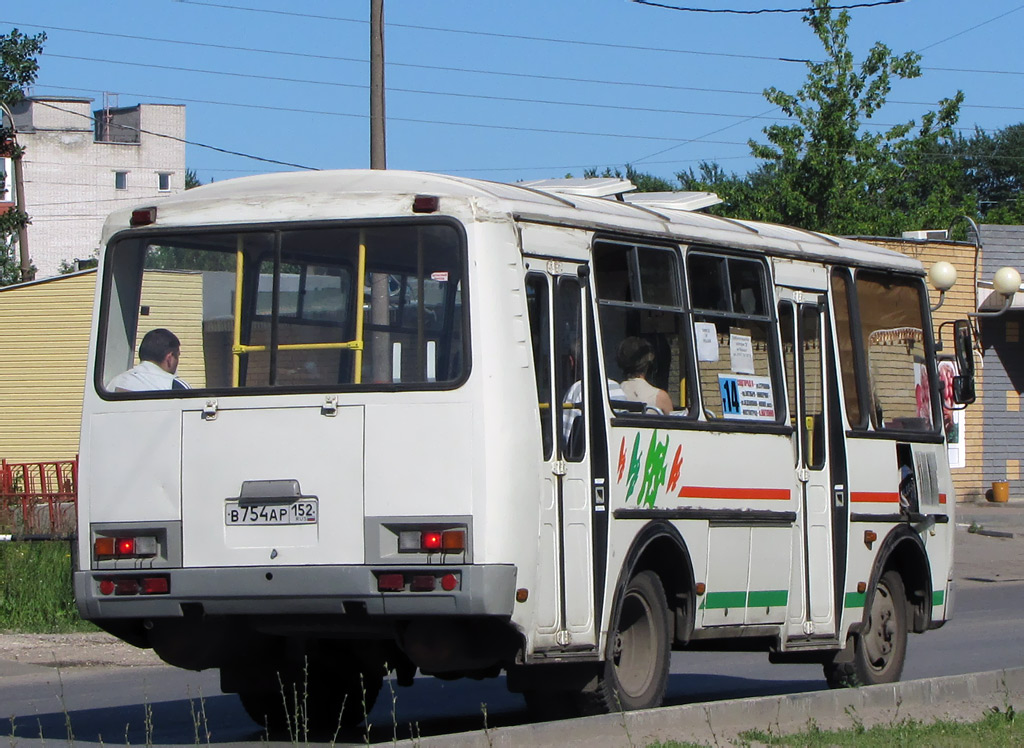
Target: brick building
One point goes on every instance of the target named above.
(80, 164)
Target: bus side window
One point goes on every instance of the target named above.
(640, 304)
(734, 337)
(538, 304)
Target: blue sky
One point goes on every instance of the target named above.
(503, 91)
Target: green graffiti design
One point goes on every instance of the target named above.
(654, 471)
(634, 468)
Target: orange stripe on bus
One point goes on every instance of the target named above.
(715, 492)
(875, 497)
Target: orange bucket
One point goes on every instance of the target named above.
(1001, 491)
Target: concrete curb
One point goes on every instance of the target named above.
(962, 697)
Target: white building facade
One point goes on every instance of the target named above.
(80, 164)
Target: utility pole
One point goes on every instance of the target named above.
(378, 149)
(380, 341)
(19, 198)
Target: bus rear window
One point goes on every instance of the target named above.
(316, 307)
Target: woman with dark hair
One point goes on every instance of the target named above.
(637, 361)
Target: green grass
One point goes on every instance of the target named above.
(999, 727)
(35, 588)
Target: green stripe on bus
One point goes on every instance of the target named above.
(939, 597)
(767, 599)
(855, 599)
(717, 600)
(756, 599)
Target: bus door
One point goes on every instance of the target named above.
(803, 321)
(559, 314)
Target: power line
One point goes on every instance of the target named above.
(413, 120)
(508, 74)
(457, 94)
(394, 89)
(577, 42)
(762, 11)
(183, 140)
(972, 28)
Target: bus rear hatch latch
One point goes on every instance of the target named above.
(210, 410)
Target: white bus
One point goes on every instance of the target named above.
(423, 433)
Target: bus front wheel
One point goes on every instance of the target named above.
(881, 647)
(634, 674)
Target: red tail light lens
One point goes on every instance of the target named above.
(431, 541)
(390, 583)
(125, 546)
(423, 583)
(126, 587)
(155, 586)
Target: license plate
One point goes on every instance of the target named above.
(302, 512)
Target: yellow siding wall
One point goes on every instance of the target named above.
(44, 339)
(958, 302)
(175, 301)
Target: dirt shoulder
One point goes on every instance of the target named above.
(73, 650)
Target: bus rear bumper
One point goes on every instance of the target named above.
(481, 590)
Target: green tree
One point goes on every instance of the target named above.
(18, 68)
(994, 169)
(644, 182)
(825, 170)
(192, 179)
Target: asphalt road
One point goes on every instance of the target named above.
(162, 705)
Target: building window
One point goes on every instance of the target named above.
(120, 180)
(164, 181)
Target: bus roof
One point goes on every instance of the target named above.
(324, 195)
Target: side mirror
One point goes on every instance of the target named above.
(963, 385)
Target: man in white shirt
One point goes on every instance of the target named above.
(159, 354)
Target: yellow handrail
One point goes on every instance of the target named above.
(236, 341)
(237, 349)
(357, 375)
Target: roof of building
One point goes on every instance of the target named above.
(324, 195)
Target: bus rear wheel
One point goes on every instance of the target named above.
(880, 649)
(634, 674)
(322, 700)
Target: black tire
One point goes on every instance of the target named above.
(333, 699)
(880, 649)
(634, 674)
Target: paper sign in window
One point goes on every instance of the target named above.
(707, 341)
(741, 352)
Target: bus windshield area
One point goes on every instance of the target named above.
(295, 307)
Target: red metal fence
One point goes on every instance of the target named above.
(38, 499)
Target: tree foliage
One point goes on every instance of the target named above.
(826, 170)
(18, 68)
(994, 170)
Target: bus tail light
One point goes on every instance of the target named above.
(143, 546)
(423, 583)
(390, 583)
(431, 541)
(453, 541)
(127, 586)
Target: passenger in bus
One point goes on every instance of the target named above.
(159, 354)
(636, 359)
